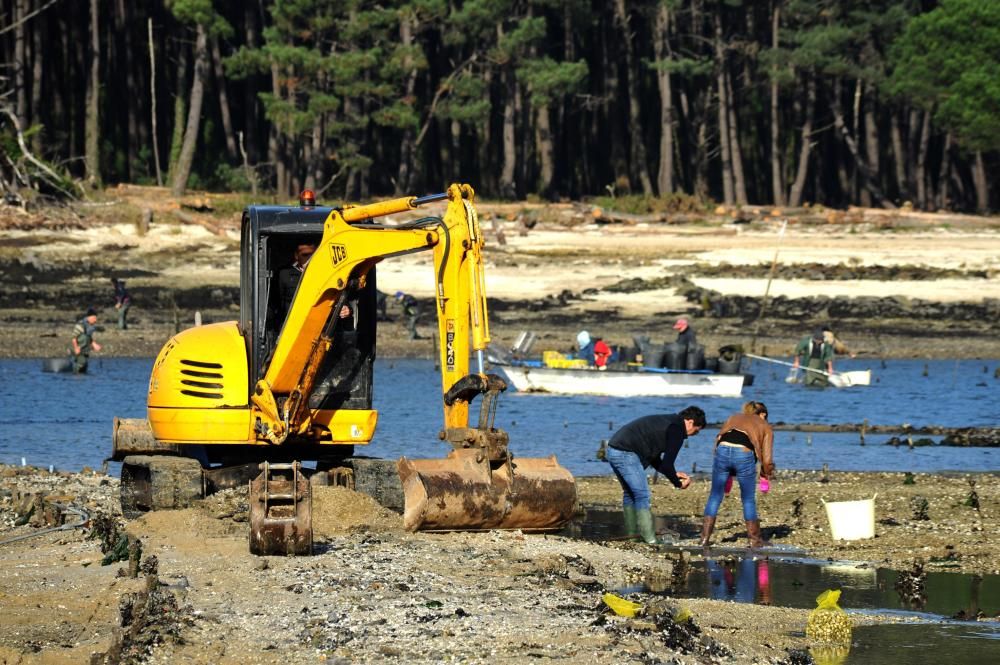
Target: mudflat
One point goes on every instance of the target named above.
(372, 591)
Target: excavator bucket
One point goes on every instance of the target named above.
(466, 491)
(280, 511)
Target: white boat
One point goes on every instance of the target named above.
(618, 383)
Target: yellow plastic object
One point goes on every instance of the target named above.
(558, 360)
(620, 606)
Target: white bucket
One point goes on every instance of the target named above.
(851, 520)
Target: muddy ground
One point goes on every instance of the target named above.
(373, 592)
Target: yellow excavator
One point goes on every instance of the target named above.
(257, 400)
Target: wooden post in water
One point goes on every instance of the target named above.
(864, 426)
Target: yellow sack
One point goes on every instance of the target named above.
(829, 623)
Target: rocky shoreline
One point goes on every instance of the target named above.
(185, 589)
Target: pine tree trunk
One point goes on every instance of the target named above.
(736, 152)
(275, 142)
(180, 111)
(777, 173)
(123, 28)
(661, 35)
(805, 147)
(92, 158)
(250, 101)
(191, 132)
(728, 195)
(152, 105)
(898, 155)
(406, 145)
(224, 111)
(507, 187)
(546, 151)
(981, 184)
(37, 73)
(921, 170)
(871, 132)
(637, 144)
(944, 174)
(21, 64)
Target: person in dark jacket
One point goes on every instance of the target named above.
(289, 276)
(685, 333)
(649, 441)
(123, 300)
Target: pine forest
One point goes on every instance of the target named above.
(881, 103)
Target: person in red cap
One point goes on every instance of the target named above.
(685, 333)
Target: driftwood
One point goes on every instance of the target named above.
(215, 227)
(606, 216)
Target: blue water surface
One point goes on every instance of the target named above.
(65, 420)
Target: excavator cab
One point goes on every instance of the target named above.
(344, 379)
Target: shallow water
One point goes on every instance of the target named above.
(65, 420)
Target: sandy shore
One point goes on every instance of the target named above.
(373, 591)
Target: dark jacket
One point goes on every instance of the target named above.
(656, 440)
(760, 435)
(687, 338)
(288, 281)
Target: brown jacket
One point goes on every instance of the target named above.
(760, 434)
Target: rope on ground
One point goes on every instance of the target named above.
(84, 518)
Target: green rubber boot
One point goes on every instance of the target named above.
(631, 530)
(644, 519)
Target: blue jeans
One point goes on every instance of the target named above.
(632, 476)
(741, 462)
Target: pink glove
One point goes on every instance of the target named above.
(765, 485)
(729, 484)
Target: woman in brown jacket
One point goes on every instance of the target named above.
(744, 439)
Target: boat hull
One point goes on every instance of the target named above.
(620, 384)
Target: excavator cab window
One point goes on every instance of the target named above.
(345, 376)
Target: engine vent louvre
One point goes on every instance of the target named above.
(199, 363)
(203, 381)
(203, 395)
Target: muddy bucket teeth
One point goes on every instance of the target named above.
(466, 492)
(280, 511)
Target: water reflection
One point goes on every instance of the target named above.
(743, 580)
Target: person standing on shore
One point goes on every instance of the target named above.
(123, 300)
(744, 439)
(648, 441)
(83, 342)
(412, 310)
